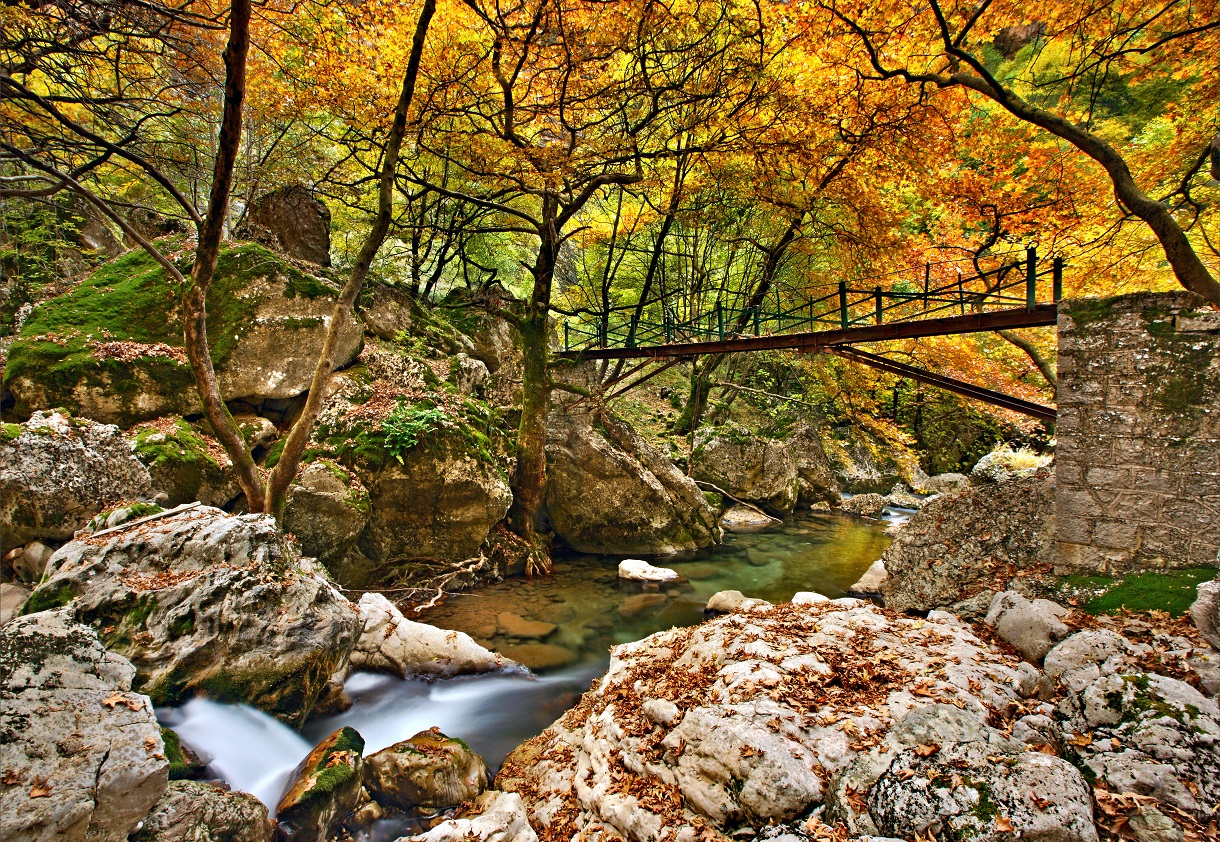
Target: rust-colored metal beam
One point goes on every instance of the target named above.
(1040, 316)
(968, 390)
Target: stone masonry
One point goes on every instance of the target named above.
(1137, 469)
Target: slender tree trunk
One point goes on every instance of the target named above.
(294, 445)
(1045, 366)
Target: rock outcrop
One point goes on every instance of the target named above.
(609, 491)
(1005, 463)
(327, 508)
(111, 349)
(760, 716)
(429, 771)
(82, 754)
(759, 470)
(963, 544)
(865, 505)
(391, 643)
(204, 602)
(58, 472)
(870, 458)
(1205, 612)
(293, 221)
(186, 464)
(815, 476)
(492, 817)
(195, 811)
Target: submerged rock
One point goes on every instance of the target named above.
(391, 643)
(82, 754)
(323, 790)
(492, 817)
(609, 491)
(429, 771)
(210, 603)
(739, 518)
(760, 470)
(58, 472)
(194, 811)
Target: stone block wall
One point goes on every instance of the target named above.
(1137, 473)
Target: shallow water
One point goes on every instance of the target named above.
(591, 612)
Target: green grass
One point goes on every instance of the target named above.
(1172, 591)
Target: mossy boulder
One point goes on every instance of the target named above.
(194, 811)
(749, 467)
(869, 456)
(323, 790)
(111, 349)
(327, 508)
(207, 603)
(429, 771)
(57, 472)
(185, 463)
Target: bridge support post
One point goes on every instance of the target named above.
(843, 304)
(877, 293)
(720, 320)
(1057, 280)
(1031, 278)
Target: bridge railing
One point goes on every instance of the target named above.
(1010, 286)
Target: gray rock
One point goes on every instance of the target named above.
(32, 562)
(429, 771)
(1004, 464)
(83, 755)
(816, 481)
(186, 464)
(327, 508)
(609, 491)
(1032, 627)
(60, 472)
(470, 375)
(901, 497)
(872, 580)
(945, 483)
(1149, 824)
(194, 811)
(1205, 612)
(1207, 666)
(739, 518)
(864, 505)
(204, 602)
(493, 817)
(963, 544)
(869, 459)
(293, 221)
(12, 597)
(726, 602)
(759, 470)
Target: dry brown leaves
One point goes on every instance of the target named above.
(125, 351)
(141, 582)
(1114, 811)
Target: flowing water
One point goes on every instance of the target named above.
(590, 610)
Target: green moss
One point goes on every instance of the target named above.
(139, 510)
(8, 432)
(1086, 311)
(55, 595)
(183, 765)
(137, 616)
(293, 323)
(327, 781)
(348, 739)
(1144, 703)
(183, 625)
(1173, 591)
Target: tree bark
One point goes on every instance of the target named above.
(1044, 365)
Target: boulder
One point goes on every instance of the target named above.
(194, 811)
(1082, 658)
(864, 505)
(31, 562)
(869, 457)
(739, 518)
(469, 375)
(267, 320)
(1148, 734)
(945, 483)
(429, 771)
(492, 817)
(292, 221)
(514, 625)
(901, 497)
(748, 718)
(638, 570)
(1005, 463)
(749, 467)
(391, 643)
(327, 508)
(82, 755)
(185, 463)
(816, 481)
(726, 602)
(1205, 612)
(12, 597)
(209, 603)
(58, 472)
(872, 580)
(964, 544)
(1030, 627)
(609, 491)
(323, 790)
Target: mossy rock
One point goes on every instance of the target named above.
(324, 788)
(182, 464)
(266, 323)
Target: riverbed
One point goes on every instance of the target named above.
(590, 611)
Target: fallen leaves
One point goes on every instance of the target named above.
(1003, 824)
(41, 789)
(118, 698)
(1081, 740)
(926, 749)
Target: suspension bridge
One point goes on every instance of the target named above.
(1005, 298)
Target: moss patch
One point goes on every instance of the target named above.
(8, 432)
(55, 595)
(1173, 590)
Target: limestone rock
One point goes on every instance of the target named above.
(85, 751)
(966, 543)
(391, 643)
(294, 221)
(1004, 464)
(945, 483)
(323, 789)
(901, 497)
(1151, 735)
(204, 602)
(638, 570)
(32, 562)
(1079, 660)
(12, 597)
(869, 458)
(864, 505)
(194, 811)
(1205, 612)
(872, 580)
(469, 375)
(493, 817)
(1031, 627)
(714, 725)
(59, 472)
(609, 491)
(726, 602)
(760, 470)
(186, 464)
(1148, 824)
(816, 482)
(255, 429)
(429, 771)
(327, 508)
(739, 518)
(267, 317)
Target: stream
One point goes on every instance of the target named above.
(590, 610)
